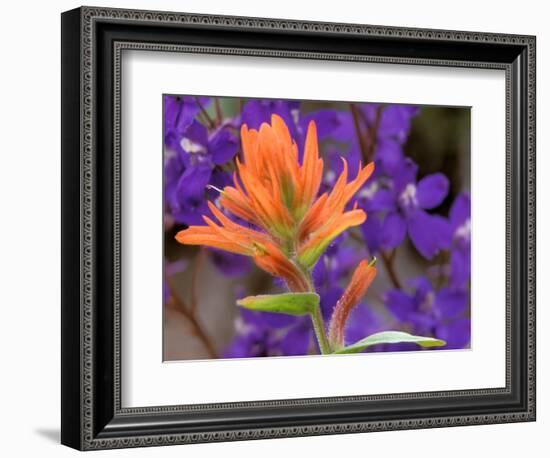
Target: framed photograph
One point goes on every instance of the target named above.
(276, 228)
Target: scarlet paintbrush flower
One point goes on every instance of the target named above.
(278, 197)
(360, 281)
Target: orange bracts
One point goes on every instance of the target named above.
(360, 281)
(276, 194)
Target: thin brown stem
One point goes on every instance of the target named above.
(197, 329)
(207, 117)
(367, 144)
(367, 138)
(363, 146)
(388, 260)
(219, 115)
(373, 132)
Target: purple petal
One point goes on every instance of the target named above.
(345, 261)
(336, 164)
(389, 155)
(320, 272)
(172, 107)
(326, 121)
(173, 169)
(429, 233)
(238, 348)
(329, 299)
(460, 210)
(257, 111)
(450, 303)
(230, 264)
(394, 229)
(456, 334)
(188, 202)
(276, 320)
(422, 322)
(400, 304)
(432, 190)
(404, 175)
(363, 321)
(345, 132)
(382, 200)
(191, 105)
(189, 212)
(396, 121)
(193, 182)
(460, 267)
(222, 146)
(423, 287)
(372, 233)
(251, 317)
(265, 320)
(195, 138)
(296, 341)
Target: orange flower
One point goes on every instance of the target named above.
(360, 281)
(277, 195)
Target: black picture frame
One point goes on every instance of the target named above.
(92, 42)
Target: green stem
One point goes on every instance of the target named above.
(316, 316)
(320, 333)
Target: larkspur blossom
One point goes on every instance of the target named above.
(390, 125)
(193, 161)
(258, 111)
(404, 203)
(426, 310)
(459, 217)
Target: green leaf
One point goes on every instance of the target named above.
(387, 337)
(289, 303)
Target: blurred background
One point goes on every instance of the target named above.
(418, 225)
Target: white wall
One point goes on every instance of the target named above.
(30, 214)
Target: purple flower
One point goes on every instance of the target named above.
(179, 113)
(257, 111)
(298, 338)
(218, 147)
(254, 338)
(192, 162)
(392, 131)
(391, 124)
(405, 202)
(459, 218)
(191, 166)
(187, 202)
(456, 333)
(395, 120)
(270, 334)
(427, 311)
(364, 321)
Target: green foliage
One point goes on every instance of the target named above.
(289, 303)
(389, 337)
